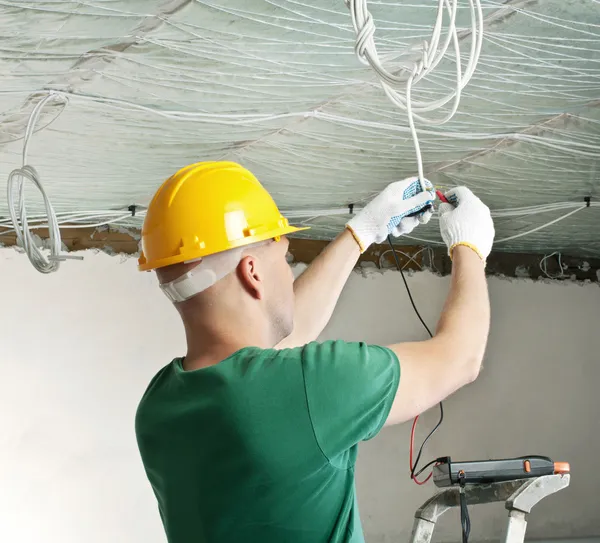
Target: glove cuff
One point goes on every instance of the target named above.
(361, 245)
(470, 246)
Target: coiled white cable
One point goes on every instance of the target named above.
(429, 54)
(18, 213)
(544, 267)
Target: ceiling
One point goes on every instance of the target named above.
(275, 84)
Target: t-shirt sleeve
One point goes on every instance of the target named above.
(350, 388)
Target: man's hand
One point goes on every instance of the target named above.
(387, 212)
(466, 220)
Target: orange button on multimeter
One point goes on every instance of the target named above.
(562, 467)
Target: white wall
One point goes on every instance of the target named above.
(77, 349)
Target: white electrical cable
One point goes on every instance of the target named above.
(516, 236)
(410, 258)
(510, 238)
(527, 211)
(91, 219)
(249, 120)
(18, 213)
(86, 220)
(502, 213)
(419, 62)
(544, 269)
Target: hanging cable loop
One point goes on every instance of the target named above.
(423, 59)
(16, 202)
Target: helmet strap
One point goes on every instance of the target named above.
(210, 269)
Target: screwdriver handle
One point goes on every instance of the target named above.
(424, 209)
(441, 196)
(429, 207)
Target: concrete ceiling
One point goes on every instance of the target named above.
(154, 85)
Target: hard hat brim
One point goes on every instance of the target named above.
(188, 256)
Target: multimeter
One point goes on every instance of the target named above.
(446, 472)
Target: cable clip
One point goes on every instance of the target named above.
(587, 200)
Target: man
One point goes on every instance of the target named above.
(252, 436)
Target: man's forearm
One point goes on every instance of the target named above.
(435, 368)
(317, 290)
(465, 320)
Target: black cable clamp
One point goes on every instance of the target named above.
(133, 209)
(587, 200)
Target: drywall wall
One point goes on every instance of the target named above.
(78, 347)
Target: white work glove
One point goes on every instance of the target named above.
(466, 220)
(387, 212)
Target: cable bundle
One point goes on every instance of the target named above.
(399, 87)
(18, 213)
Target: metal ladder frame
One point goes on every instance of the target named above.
(520, 497)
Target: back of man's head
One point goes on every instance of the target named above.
(250, 286)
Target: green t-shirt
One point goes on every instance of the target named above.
(261, 446)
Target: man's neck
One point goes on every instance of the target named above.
(209, 347)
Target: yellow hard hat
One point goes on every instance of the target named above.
(206, 208)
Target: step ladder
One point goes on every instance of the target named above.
(520, 496)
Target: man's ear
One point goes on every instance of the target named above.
(249, 274)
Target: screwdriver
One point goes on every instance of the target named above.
(441, 196)
(429, 207)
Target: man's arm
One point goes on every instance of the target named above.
(318, 289)
(433, 369)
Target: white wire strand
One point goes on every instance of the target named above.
(546, 225)
(410, 258)
(516, 236)
(252, 119)
(92, 219)
(527, 211)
